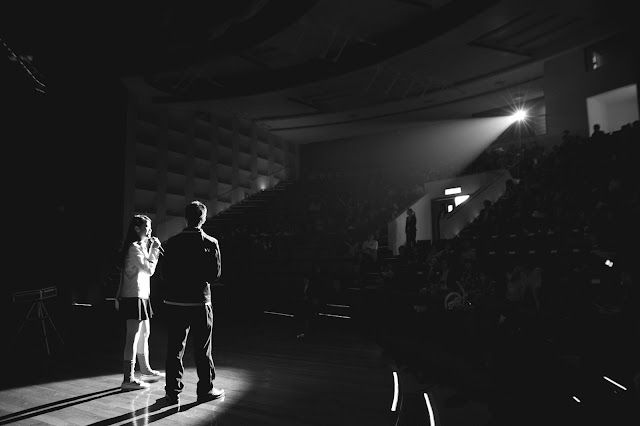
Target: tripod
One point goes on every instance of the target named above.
(37, 298)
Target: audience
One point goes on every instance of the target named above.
(532, 259)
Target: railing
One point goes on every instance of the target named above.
(270, 175)
(481, 189)
(453, 219)
(473, 196)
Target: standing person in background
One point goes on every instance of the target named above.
(138, 258)
(410, 229)
(307, 302)
(597, 132)
(191, 262)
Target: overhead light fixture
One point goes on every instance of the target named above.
(519, 115)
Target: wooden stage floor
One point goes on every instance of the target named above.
(332, 377)
(339, 375)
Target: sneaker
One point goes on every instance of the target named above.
(213, 394)
(169, 400)
(134, 384)
(152, 376)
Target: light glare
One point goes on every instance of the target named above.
(394, 404)
(460, 199)
(519, 115)
(614, 383)
(282, 314)
(451, 191)
(333, 315)
(432, 418)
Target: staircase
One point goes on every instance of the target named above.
(272, 206)
(258, 209)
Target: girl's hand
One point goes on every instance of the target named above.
(116, 304)
(155, 242)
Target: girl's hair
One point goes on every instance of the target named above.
(132, 235)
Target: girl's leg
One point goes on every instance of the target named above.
(142, 349)
(148, 374)
(131, 342)
(129, 356)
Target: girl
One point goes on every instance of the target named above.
(139, 257)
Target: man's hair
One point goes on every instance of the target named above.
(195, 213)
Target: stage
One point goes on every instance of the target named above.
(332, 376)
(353, 369)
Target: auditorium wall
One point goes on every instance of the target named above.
(176, 156)
(569, 79)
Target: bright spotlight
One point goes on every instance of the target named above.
(519, 115)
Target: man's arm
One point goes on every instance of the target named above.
(164, 264)
(213, 261)
(218, 261)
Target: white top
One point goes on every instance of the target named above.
(370, 245)
(139, 266)
(370, 248)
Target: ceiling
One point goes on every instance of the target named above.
(314, 70)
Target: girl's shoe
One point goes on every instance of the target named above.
(152, 376)
(134, 384)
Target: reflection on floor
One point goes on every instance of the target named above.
(339, 373)
(331, 376)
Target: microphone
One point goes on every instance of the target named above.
(153, 240)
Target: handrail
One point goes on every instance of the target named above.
(511, 167)
(477, 192)
(415, 200)
(218, 195)
(268, 175)
(233, 189)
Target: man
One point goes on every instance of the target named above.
(191, 262)
(410, 229)
(597, 132)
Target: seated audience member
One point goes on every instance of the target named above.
(370, 249)
(349, 247)
(522, 291)
(403, 256)
(387, 275)
(486, 221)
(368, 254)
